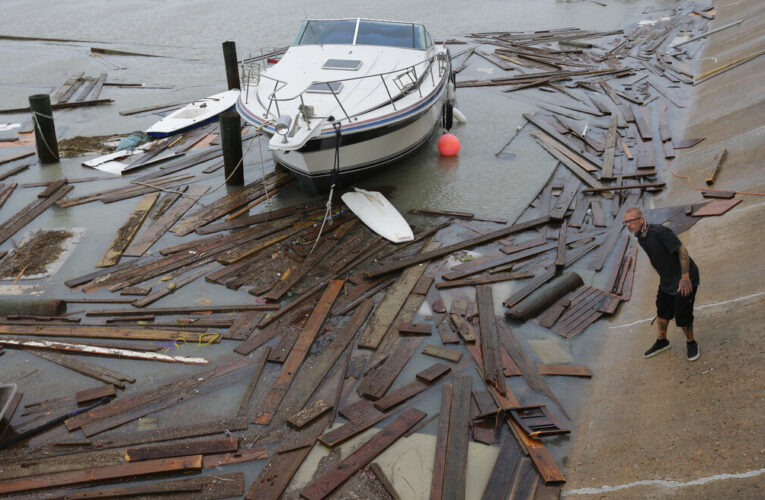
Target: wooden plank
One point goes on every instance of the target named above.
(433, 373)
(717, 165)
(446, 333)
(211, 487)
(575, 169)
(564, 199)
(95, 332)
(598, 215)
(457, 445)
(400, 395)
(613, 234)
(206, 447)
(716, 207)
(423, 285)
(177, 311)
(353, 299)
(442, 352)
(386, 374)
(485, 280)
(299, 352)
(88, 369)
(643, 123)
(277, 474)
(5, 192)
(364, 418)
(461, 270)
(389, 307)
(503, 470)
(524, 481)
(309, 414)
(536, 449)
(463, 328)
(235, 457)
(492, 366)
(508, 249)
(106, 473)
(607, 171)
(405, 327)
(543, 277)
(139, 246)
(128, 230)
(565, 370)
(560, 259)
(95, 393)
(723, 195)
(442, 437)
(245, 403)
(625, 188)
(645, 155)
(100, 351)
(440, 252)
(137, 490)
(123, 406)
(24, 216)
(328, 482)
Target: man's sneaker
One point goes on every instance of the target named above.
(693, 350)
(659, 346)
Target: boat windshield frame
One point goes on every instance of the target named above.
(363, 32)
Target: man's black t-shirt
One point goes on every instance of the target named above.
(661, 244)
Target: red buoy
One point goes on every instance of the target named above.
(448, 145)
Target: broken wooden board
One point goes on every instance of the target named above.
(207, 447)
(88, 369)
(492, 365)
(139, 246)
(96, 332)
(127, 232)
(298, 353)
(389, 307)
(457, 444)
(565, 370)
(440, 252)
(442, 352)
(442, 438)
(309, 414)
(716, 207)
(212, 487)
(96, 393)
(106, 473)
(381, 379)
(324, 485)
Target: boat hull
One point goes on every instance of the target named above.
(361, 153)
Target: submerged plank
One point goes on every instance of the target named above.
(324, 485)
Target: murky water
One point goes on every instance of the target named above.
(189, 35)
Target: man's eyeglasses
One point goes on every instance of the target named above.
(628, 221)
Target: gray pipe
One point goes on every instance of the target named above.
(545, 296)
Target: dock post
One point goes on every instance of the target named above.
(231, 142)
(232, 67)
(45, 130)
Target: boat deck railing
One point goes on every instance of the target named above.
(406, 80)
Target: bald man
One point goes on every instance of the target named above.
(678, 275)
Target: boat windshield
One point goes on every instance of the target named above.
(384, 33)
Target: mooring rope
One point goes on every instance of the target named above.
(333, 179)
(42, 136)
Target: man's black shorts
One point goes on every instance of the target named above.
(676, 306)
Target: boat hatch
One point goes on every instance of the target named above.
(324, 87)
(344, 64)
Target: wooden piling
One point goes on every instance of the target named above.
(232, 67)
(45, 130)
(231, 142)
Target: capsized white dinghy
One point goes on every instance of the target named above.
(194, 114)
(374, 210)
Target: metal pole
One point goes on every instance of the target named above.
(232, 67)
(704, 35)
(231, 142)
(45, 129)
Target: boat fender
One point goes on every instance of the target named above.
(448, 117)
(459, 115)
(451, 96)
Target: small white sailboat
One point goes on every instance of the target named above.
(374, 210)
(194, 114)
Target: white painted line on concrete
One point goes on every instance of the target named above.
(704, 306)
(665, 483)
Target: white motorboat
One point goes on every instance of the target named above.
(194, 114)
(349, 96)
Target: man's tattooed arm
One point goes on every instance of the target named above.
(685, 261)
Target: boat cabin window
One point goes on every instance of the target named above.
(327, 32)
(324, 87)
(383, 33)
